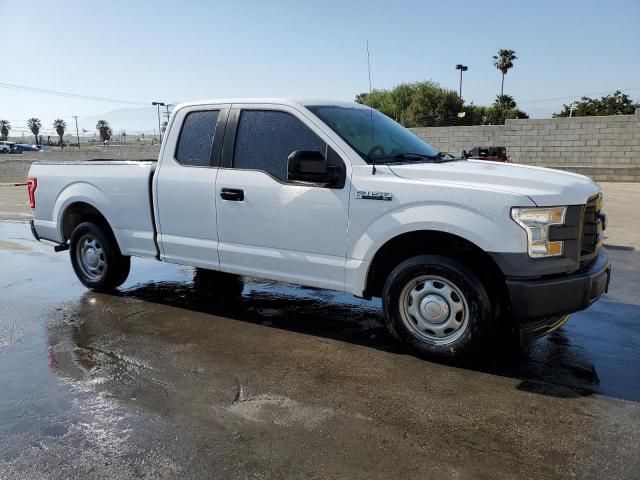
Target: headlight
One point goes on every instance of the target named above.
(536, 222)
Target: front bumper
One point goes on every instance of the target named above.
(543, 298)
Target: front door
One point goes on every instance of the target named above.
(268, 226)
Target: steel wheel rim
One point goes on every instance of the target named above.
(91, 257)
(434, 309)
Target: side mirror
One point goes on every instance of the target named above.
(308, 166)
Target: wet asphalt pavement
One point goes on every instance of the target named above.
(167, 380)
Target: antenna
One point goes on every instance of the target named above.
(373, 162)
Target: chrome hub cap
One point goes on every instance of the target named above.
(90, 256)
(434, 309)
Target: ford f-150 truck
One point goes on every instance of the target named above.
(338, 196)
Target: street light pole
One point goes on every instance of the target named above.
(75, 117)
(462, 68)
(159, 104)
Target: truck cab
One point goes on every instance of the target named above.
(336, 195)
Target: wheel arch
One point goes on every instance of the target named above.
(421, 242)
(78, 212)
(83, 201)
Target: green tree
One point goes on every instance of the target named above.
(105, 130)
(616, 103)
(473, 115)
(415, 104)
(503, 61)
(496, 115)
(5, 126)
(424, 104)
(60, 126)
(431, 105)
(34, 124)
(504, 107)
(505, 101)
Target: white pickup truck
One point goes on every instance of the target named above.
(338, 196)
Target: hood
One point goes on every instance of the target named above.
(544, 186)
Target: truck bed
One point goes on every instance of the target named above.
(119, 189)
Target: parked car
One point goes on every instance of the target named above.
(493, 154)
(6, 147)
(23, 147)
(338, 196)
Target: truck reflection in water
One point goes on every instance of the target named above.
(214, 323)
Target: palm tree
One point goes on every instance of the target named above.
(5, 126)
(505, 101)
(34, 125)
(503, 61)
(105, 130)
(59, 125)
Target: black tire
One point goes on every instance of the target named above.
(468, 332)
(112, 268)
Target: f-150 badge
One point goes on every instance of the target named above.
(373, 195)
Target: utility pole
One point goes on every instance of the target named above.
(167, 113)
(462, 68)
(159, 104)
(75, 117)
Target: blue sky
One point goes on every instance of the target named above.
(178, 51)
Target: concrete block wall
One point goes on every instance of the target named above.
(605, 148)
(14, 168)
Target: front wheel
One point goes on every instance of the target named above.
(437, 307)
(96, 258)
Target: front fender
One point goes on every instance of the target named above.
(490, 231)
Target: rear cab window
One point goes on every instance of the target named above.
(195, 142)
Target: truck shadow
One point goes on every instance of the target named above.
(558, 365)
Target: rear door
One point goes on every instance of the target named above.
(185, 187)
(269, 226)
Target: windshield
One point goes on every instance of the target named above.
(387, 141)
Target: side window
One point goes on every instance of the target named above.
(196, 138)
(265, 138)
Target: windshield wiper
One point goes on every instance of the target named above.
(443, 157)
(400, 157)
(440, 157)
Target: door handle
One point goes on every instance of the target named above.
(232, 194)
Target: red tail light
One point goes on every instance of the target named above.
(32, 184)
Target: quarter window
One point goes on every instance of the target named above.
(266, 138)
(196, 138)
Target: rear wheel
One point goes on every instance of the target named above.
(96, 258)
(437, 307)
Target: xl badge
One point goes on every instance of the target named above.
(374, 195)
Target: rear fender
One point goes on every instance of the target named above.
(86, 193)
